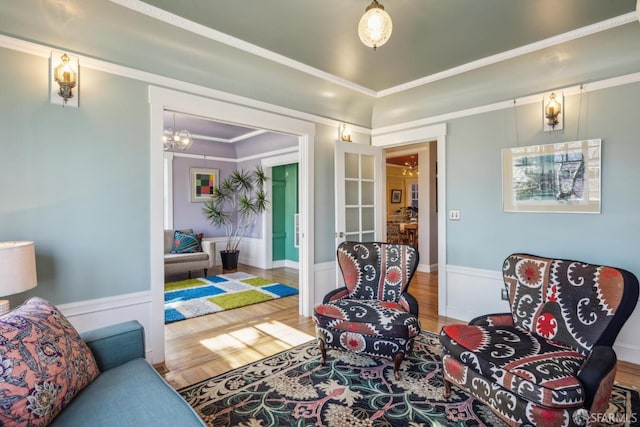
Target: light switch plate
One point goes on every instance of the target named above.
(454, 214)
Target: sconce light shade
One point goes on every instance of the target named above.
(17, 269)
(64, 78)
(553, 114)
(375, 26)
(344, 133)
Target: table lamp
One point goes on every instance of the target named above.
(17, 270)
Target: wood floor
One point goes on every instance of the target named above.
(197, 349)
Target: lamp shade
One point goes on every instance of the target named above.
(17, 267)
(375, 26)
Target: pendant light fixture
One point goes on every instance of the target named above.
(375, 25)
(176, 140)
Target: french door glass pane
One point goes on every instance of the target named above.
(351, 165)
(368, 193)
(352, 220)
(351, 193)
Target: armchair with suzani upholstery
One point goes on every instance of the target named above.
(550, 361)
(372, 314)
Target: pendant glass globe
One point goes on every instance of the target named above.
(375, 26)
(179, 140)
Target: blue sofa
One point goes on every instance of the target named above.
(129, 391)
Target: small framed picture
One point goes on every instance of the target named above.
(396, 196)
(203, 181)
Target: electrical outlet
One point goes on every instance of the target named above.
(454, 214)
(504, 295)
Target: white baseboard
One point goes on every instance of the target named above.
(427, 268)
(97, 313)
(287, 263)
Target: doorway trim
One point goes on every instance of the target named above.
(438, 133)
(161, 99)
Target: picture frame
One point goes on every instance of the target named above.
(553, 178)
(203, 181)
(396, 196)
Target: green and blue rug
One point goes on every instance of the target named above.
(196, 297)
(293, 388)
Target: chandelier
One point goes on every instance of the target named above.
(375, 25)
(410, 168)
(176, 140)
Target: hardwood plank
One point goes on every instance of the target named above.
(197, 349)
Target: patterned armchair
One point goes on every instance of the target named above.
(373, 314)
(550, 361)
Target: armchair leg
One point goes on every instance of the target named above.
(447, 387)
(323, 351)
(396, 365)
(205, 272)
(189, 274)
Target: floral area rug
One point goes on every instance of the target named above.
(292, 389)
(196, 297)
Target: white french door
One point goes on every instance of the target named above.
(359, 190)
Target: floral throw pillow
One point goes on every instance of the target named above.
(43, 364)
(185, 243)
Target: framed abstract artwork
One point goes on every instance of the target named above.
(203, 181)
(563, 177)
(396, 196)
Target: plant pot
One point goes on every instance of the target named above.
(229, 259)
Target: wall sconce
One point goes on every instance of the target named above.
(552, 107)
(64, 77)
(344, 133)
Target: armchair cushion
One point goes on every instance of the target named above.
(540, 371)
(371, 317)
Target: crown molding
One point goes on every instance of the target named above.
(626, 79)
(201, 30)
(230, 140)
(185, 24)
(514, 53)
(265, 155)
(169, 18)
(44, 51)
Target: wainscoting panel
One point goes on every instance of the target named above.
(325, 280)
(96, 313)
(472, 292)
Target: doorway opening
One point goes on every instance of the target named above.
(164, 99)
(412, 199)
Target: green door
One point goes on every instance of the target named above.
(284, 187)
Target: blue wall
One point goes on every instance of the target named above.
(485, 234)
(76, 181)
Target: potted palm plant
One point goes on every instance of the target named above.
(234, 205)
